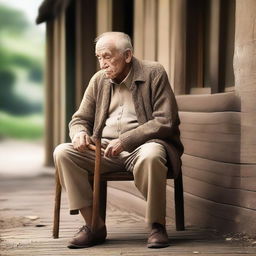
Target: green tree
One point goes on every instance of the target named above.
(12, 20)
(13, 23)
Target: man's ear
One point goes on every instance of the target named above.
(128, 56)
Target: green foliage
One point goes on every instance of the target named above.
(17, 51)
(9, 101)
(12, 20)
(10, 60)
(5, 59)
(24, 127)
(7, 80)
(36, 74)
(32, 64)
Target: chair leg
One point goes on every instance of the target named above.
(56, 218)
(103, 199)
(179, 203)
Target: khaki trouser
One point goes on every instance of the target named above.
(147, 163)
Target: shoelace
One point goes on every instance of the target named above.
(157, 228)
(83, 228)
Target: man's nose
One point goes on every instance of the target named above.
(103, 63)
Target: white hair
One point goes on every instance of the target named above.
(122, 40)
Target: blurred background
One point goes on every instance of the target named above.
(22, 59)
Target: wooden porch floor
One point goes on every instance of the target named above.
(26, 223)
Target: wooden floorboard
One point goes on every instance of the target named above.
(26, 223)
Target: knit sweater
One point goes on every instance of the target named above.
(155, 106)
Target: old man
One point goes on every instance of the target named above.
(130, 105)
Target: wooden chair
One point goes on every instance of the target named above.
(120, 176)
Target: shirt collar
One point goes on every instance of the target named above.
(127, 81)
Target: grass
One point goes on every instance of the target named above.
(21, 127)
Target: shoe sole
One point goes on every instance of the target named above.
(157, 245)
(74, 246)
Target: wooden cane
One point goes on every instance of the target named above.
(56, 219)
(96, 185)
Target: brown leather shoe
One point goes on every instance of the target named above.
(158, 237)
(86, 238)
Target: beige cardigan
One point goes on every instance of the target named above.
(155, 106)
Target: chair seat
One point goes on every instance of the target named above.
(120, 176)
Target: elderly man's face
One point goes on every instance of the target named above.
(111, 60)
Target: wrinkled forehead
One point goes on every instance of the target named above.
(106, 44)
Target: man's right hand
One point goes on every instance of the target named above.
(81, 141)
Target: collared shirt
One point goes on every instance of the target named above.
(121, 116)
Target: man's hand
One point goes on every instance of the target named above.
(81, 141)
(114, 148)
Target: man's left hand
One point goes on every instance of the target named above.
(114, 148)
